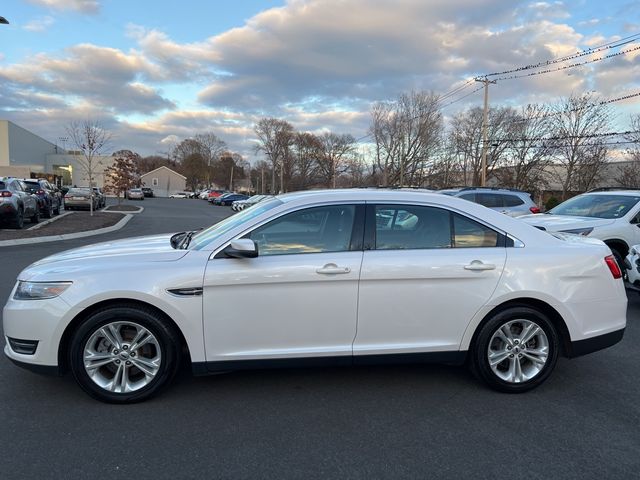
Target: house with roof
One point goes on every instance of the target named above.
(163, 181)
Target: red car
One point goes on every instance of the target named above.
(215, 194)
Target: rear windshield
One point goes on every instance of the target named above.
(78, 191)
(32, 187)
(598, 206)
(3, 186)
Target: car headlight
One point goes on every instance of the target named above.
(580, 231)
(39, 290)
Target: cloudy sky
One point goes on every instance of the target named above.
(156, 72)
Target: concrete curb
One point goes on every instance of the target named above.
(126, 212)
(67, 236)
(51, 220)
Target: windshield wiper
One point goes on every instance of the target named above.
(175, 239)
(184, 244)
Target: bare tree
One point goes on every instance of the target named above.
(578, 145)
(305, 151)
(465, 139)
(406, 133)
(335, 153)
(212, 148)
(275, 138)
(91, 140)
(524, 161)
(628, 173)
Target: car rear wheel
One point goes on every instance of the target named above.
(35, 218)
(516, 350)
(18, 221)
(49, 211)
(124, 354)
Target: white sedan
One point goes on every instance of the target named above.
(337, 277)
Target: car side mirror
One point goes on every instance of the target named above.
(241, 248)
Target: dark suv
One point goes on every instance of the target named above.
(49, 201)
(147, 191)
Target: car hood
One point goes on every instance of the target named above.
(557, 223)
(156, 248)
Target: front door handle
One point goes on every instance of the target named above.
(477, 266)
(332, 269)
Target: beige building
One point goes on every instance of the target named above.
(164, 181)
(23, 153)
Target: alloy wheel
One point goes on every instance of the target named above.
(122, 357)
(518, 351)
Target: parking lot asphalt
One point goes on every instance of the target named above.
(375, 422)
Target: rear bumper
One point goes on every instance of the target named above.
(593, 344)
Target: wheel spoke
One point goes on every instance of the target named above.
(142, 337)
(498, 357)
(97, 361)
(511, 373)
(124, 379)
(116, 378)
(530, 331)
(108, 335)
(519, 376)
(505, 333)
(147, 367)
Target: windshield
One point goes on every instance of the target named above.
(214, 231)
(598, 206)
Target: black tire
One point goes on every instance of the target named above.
(56, 211)
(35, 218)
(18, 221)
(479, 361)
(48, 213)
(167, 340)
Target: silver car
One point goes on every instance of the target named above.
(135, 194)
(509, 201)
(16, 203)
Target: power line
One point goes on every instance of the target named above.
(590, 51)
(573, 65)
(567, 137)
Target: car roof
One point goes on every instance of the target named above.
(631, 193)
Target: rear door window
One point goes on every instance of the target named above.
(512, 201)
(491, 200)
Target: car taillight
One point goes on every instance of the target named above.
(5, 194)
(613, 266)
(40, 192)
(534, 209)
(67, 196)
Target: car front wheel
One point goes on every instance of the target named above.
(124, 354)
(516, 350)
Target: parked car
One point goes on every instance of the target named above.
(228, 198)
(80, 198)
(215, 193)
(328, 285)
(135, 194)
(632, 264)
(179, 195)
(509, 201)
(48, 201)
(610, 215)
(148, 192)
(242, 204)
(16, 203)
(204, 194)
(101, 199)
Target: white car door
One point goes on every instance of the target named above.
(425, 273)
(296, 300)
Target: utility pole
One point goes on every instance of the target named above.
(485, 122)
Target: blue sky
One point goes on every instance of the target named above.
(158, 72)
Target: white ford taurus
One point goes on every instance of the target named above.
(342, 277)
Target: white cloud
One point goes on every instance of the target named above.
(82, 6)
(39, 24)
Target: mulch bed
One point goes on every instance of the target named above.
(122, 208)
(77, 221)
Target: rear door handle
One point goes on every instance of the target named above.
(332, 269)
(477, 266)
